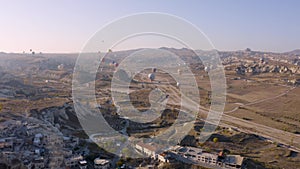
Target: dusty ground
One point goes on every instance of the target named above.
(264, 99)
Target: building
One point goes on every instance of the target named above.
(163, 157)
(207, 158)
(73, 160)
(36, 141)
(83, 164)
(38, 163)
(233, 161)
(7, 143)
(101, 163)
(196, 155)
(27, 164)
(147, 149)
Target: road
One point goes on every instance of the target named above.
(273, 134)
(259, 101)
(276, 135)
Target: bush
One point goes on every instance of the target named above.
(215, 140)
(119, 163)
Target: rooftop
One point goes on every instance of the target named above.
(234, 159)
(83, 162)
(99, 161)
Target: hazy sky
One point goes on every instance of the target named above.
(65, 26)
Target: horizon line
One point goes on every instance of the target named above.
(227, 50)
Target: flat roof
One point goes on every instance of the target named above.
(82, 162)
(234, 159)
(101, 161)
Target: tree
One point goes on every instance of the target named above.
(119, 163)
(215, 140)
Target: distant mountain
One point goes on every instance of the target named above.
(294, 52)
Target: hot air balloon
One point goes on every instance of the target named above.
(179, 71)
(151, 76)
(60, 67)
(153, 70)
(177, 84)
(206, 68)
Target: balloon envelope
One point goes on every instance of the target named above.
(151, 76)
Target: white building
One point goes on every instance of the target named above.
(207, 158)
(147, 149)
(196, 155)
(163, 158)
(36, 141)
(83, 164)
(101, 163)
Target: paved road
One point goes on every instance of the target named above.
(276, 135)
(273, 134)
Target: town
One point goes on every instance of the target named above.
(41, 129)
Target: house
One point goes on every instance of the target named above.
(8, 156)
(6, 145)
(83, 164)
(234, 161)
(38, 163)
(27, 164)
(37, 141)
(68, 152)
(7, 142)
(195, 155)
(163, 157)
(101, 163)
(208, 158)
(294, 81)
(73, 160)
(37, 151)
(147, 149)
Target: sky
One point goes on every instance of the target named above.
(56, 26)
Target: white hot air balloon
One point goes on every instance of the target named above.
(60, 67)
(206, 68)
(151, 76)
(177, 84)
(179, 71)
